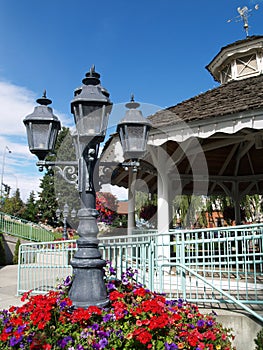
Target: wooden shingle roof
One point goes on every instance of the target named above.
(233, 97)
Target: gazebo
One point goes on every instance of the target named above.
(209, 144)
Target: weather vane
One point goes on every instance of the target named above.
(244, 13)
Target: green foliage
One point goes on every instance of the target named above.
(66, 192)
(259, 340)
(55, 191)
(47, 199)
(120, 221)
(15, 257)
(14, 205)
(2, 252)
(189, 208)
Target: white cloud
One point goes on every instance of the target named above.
(120, 192)
(15, 103)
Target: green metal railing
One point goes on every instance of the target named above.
(14, 226)
(222, 266)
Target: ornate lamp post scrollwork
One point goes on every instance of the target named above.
(91, 108)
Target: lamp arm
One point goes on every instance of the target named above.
(68, 170)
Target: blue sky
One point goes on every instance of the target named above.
(156, 49)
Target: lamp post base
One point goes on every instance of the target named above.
(88, 286)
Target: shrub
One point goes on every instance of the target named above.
(16, 252)
(2, 252)
(259, 340)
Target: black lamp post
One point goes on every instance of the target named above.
(65, 213)
(91, 107)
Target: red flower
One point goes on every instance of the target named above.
(116, 295)
(159, 321)
(141, 292)
(142, 335)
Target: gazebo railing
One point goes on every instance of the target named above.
(215, 266)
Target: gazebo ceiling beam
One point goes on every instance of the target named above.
(226, 163)
(222, 178)
(244, 148)
(247, 190)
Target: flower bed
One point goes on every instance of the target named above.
(136, 318)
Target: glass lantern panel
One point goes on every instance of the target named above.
(134, 138)
(93, 121)
(40, 134)
(53, 136)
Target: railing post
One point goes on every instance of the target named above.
(18, 270)
(183, 274)
(152, 259)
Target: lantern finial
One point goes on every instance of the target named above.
(132, 104)
(92, 77)
(44, 101)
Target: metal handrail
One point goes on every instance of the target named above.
(212, 257)
(213, 286)
(24, 229)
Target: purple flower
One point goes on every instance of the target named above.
(62, 305)
(95, 326)
(107, 317)
(200, 323)
(84, 334)
(67, 281)
(171, 346)
(111, 286)
(119, 334)
(9, 329)
(21, 328)
(62, 343)
(80, 347)
(210, 323)
(102, 334)
(125, 281)
(112, 271)
(14, 341)
(103, 342)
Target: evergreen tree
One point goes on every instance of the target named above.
(66, 193)
(56, 192)
(47, 203)
(31, 209)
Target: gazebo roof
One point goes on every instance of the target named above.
(214, 141)
(234, 97)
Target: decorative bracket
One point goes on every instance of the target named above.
(68, 170)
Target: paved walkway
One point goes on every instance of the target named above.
(8, 286)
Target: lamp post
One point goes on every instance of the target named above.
(91, 108)
(65, 213)
(3, 168)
